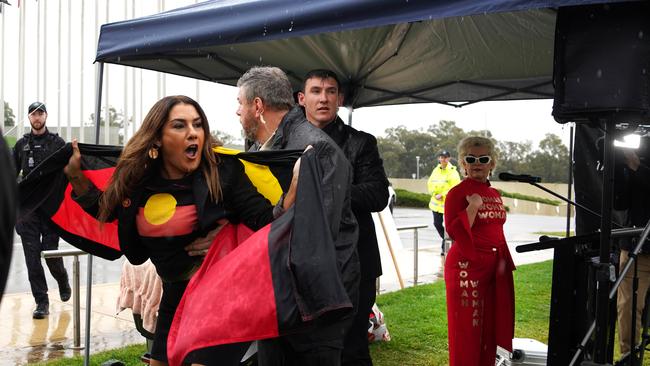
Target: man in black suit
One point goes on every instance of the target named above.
(321, 97)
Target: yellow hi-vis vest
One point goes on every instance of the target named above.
(440, 182)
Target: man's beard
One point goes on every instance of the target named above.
(250, 132)
(38, 129)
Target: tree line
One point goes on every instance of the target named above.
(401, 146)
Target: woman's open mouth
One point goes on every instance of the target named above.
(192, 151)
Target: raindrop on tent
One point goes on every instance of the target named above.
(291, 26)
(640, 34)
(189, 40)
(599, 73)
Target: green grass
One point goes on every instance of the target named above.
(130, 355)
(411, 199)
(417, 321)
(525, 197)
(11, 141)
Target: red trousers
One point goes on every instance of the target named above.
(480, 305)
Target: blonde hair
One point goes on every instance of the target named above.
(476, 141)
(135, 165)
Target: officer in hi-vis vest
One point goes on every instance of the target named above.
(443, 177)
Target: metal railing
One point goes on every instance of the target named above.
(415, 247)
(76, 305)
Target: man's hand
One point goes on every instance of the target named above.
(200, 246)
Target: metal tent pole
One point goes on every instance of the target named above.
(604, 267)
(570, 185)
(89, 268)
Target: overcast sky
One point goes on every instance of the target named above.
(48, 80)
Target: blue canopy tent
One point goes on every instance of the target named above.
(385, 51)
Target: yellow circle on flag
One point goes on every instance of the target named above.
(159, 208)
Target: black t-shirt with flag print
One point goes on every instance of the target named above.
(167, 221)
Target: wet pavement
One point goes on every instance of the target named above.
(25, 340)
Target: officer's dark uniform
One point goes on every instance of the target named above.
(36, 236)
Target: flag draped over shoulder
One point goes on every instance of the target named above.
(275, 282)
(47, 191)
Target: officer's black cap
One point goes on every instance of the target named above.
(36, 105)
(444, 153)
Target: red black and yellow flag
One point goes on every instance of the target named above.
(47, 191)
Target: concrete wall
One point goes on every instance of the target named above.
(515, 205)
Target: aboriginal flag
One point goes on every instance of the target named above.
(47, 191)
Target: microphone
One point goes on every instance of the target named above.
(524, 178)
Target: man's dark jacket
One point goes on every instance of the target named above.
(38, 147)
(296, 133)
(369, 189)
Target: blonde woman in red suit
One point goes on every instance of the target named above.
(478, 268)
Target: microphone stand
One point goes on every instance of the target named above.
(604, 270)
(631, 261)
(576, 204)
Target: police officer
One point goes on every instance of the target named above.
(36, 236)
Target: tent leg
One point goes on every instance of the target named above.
(98, 100)
(89, 267)
(570, 185)
(89, 285)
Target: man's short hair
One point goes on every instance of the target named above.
(269, 84)
(321, 74)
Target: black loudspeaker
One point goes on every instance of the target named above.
(602, 63)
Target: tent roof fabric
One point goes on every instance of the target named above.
(384, 51)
